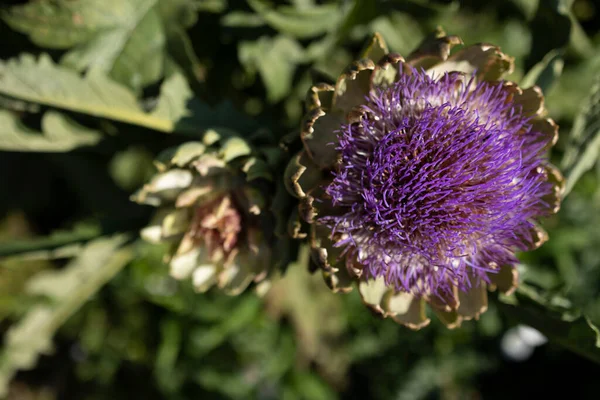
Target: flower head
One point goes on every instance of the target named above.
(422, 178)
(215, 210)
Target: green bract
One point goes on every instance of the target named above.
(214, 199)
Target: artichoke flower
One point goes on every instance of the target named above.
(215, 200)
(420, 178)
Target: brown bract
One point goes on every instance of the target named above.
(329, 107)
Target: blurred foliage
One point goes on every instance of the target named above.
(91, 91)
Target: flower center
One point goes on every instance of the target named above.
(217, 226)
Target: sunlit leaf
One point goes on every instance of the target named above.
(123, 38)
(60, 133)
(41, 81)
(63, 24)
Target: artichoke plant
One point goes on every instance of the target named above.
(216, 211)
(420, 178)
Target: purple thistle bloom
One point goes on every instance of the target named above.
(421, 178)
(440, 178)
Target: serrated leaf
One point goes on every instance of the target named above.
(56, 285)
(584, 139)
(275, 59)
(60, 133)
(123, 38)
(69, 289)
(133, 55)
(41, 81)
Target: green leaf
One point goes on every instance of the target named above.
(234, 147)
(61, 24)
(56, 285)
(177, 13)
(132, 55)
(316, 316)
(310, 386)
(361, 12)
(302, 23)
(255, 168)
(203, 340)
(54, 245)
(60, 133)
(561, 325)
(123, 38)
(68, 289)
(212, 6)
(555, 26)
(527, 7)
(165, 367)
(432, 373)
(546, 72)
(181, 52)
(550, 27)
(275, 59)
(584, 139)
(240, 19)
(401, 32)
(41, 81)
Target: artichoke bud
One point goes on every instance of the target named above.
(214, 201)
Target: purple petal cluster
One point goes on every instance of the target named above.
(440, 183)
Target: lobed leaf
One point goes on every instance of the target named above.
(42, 81)
(123, 38)
(59, 133)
